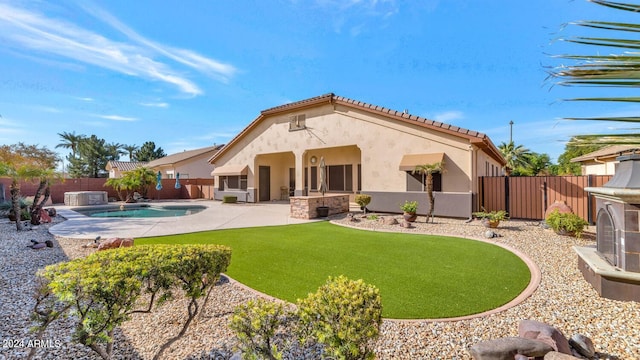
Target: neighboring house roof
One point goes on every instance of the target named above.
(185, 155)
(609, 152)
(124, 165)
(479, 139)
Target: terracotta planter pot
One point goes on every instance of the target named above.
(410, 217)
(490, 223)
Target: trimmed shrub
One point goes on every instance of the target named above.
(363, 200)
(344, 315)
(340, 321)
(104, 289)
(229, 199)
(256, 324)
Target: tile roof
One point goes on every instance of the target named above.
(477, 138)
(185, 155)
(607, 152)
(124, 165)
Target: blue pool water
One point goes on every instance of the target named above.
(145, 211)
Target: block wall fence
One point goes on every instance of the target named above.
(190, 189)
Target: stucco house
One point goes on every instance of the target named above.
(603, 161)
(189, 163)
(366, 148)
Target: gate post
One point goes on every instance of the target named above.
(506, 195)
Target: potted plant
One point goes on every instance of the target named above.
(566, 223)
(491, 219)
(409, 208)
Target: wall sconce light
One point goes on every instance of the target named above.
(313, 160)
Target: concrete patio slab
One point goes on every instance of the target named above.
(216, 216)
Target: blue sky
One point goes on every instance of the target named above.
(188, 74)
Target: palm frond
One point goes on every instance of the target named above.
(612, 118)
(618, 5)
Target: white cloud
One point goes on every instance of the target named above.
(88, 99)
(21, 28)
(448, 116)
(117, 117)
(156, 104)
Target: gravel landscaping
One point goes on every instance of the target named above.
(563, 299)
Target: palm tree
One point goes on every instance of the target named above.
(70, 141)
(428, 170)
(114, 151)
(131, 150)
(620, 70)
(515, 155)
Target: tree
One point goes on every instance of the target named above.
(26, 162)
(536, 164)
(515, 155)
(114, 151)
(573, 150)
(70, 141)
(428, 170)
(93, 154)
(620, 70)
(131, 150)
(149, 152)
(138, 179)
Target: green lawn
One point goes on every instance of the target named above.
(419, 276)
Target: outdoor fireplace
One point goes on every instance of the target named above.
(613, 266)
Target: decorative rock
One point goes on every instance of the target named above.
(489, 234)
(115, 243)
(389, 221)
(406, 224)
(559, 205)
(583, 345)
(507, 348)
(522, 357)
(536, 330)
(554, 355)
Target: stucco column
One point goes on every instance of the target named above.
(299, 155)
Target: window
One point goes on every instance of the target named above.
(297, 122)
(314, 178)
(340, 177)
(238, 182)
(418, 182)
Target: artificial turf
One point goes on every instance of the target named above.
(419, 276)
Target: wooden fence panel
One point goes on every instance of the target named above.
(527, 197)
(492, 195)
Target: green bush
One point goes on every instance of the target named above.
(492, 215)
(344, 315)
(104, 289)
(340, 321)
(409, 207)
(229, 199)
(363, 200)
(566, 223)
(256, 324)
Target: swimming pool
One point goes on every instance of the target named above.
(140, 211)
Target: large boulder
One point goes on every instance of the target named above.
(535, 330)
(583, 345)
(115, 243)
(388, 220)
(507, 348)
